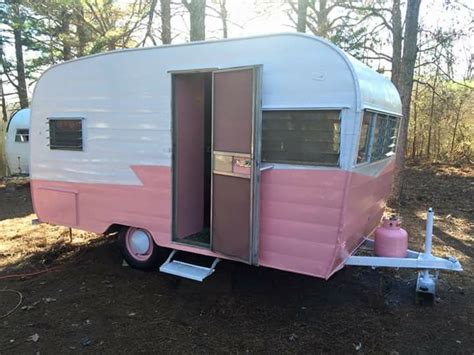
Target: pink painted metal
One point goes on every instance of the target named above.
(362, 209)
(189, 91)
(233, 117)
(299, 219)
(61, 204)
(390, 239)
(146, 206)
(310, 220)
(233, 105)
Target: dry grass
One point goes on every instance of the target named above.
(450, 191)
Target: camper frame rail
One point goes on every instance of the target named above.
(425, 261)
(413, 260)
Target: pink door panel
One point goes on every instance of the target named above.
(233, 110)
(231, 216)
(234, 162)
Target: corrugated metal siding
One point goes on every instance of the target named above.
(299, 219)
(363, 208)
(100, 205)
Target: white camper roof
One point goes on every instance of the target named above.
(321, 60)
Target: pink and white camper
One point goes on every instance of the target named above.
(276, 151)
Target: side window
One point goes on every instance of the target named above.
(378, 137)
(65, 134)
(301, 137)
(22, 135)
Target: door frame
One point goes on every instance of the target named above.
(174, 174)
(255, 151)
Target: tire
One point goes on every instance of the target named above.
(138, 248)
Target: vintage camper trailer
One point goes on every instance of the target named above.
(17, 146)
(274, 150)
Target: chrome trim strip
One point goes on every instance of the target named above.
(233, 154)
(217, 172)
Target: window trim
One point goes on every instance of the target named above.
(300, 164)
(69, 149)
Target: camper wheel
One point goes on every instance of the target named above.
(138, 248)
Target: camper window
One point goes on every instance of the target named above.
(378, 137)
(65, 134)
(22, 135)
(301, 137)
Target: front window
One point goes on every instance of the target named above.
(301, 137)
(378, 137)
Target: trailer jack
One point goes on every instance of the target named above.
(425, 261)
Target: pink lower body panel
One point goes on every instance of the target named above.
(310, 220)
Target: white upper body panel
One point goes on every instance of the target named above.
(377, 91)
(18, 152)
(124, 98)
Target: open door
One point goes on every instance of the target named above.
(236, 122)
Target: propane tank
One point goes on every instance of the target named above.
(390, 239)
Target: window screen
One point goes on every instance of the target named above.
(301, 137)
(22, 135)
(65, 134)
(378, 137)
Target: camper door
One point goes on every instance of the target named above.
(236, 122)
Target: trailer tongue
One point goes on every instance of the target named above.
(426, 261)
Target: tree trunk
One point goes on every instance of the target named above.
(302, 14)
(430, 121)
(415, 117)
(453, 141)
(65, 29)
(422, 144)
(4, 104)
(80, 31)
(438, 143)
(397, 36)
(410, 51)
(166, 21)
(323, 19)
(20, 63)
(223, 16)
(2, 92)
(197, 19)
(149, 31)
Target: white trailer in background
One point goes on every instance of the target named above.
(17, 146)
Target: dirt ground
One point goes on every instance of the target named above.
(89, 302)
